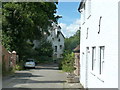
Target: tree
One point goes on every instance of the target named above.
(72, 42)
(67, 63)
(23, 21)
(44, 51)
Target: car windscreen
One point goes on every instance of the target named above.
(29, 60)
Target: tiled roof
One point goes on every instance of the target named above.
(77, 49)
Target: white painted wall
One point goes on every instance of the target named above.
(108, 37)
(55, 42)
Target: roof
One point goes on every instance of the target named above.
(79, 8)
(77, 49)
(62, 34)
(81, 5)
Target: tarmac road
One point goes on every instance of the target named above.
(43, 76)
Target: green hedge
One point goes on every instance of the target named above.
(67, 63)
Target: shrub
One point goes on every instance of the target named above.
(19, 65)
(67, 63)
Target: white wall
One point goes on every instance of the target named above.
(108, 37)
(57, 43)
(119, 37)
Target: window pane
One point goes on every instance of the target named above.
(101, 59)
(55, 48)
(93, 57)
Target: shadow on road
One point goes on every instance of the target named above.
(43, 89)
(47, 67)
(17, 89)
(35, 81)
(26, 75)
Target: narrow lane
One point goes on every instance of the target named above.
(43, 76)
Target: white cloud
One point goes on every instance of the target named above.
(69, 0)
(78, 21)
(69, 30)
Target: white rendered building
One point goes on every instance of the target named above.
(99, 43)
(57, 39)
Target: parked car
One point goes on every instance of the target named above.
(30, 63)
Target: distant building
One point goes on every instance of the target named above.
(57, 39)
(99, 43)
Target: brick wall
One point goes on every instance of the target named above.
(77, 64)
(8, 59)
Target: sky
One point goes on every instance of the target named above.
(70, 21)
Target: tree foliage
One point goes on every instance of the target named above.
(45, 51)
(23, 21)
(72, 42)
(68, 62)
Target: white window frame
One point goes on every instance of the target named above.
(101, 59)
(87, 33)
(93, 57)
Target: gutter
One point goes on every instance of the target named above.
(81, 5)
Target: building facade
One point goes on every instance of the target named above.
(99, 43)
(57, 39)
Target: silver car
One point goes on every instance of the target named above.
(30, 63)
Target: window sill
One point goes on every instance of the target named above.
(92, 73)
(99, 77)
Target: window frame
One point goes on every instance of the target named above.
(101, 58)
(55, 48)
(93, 57)
(60, 46)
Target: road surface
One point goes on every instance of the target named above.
(43, 76)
